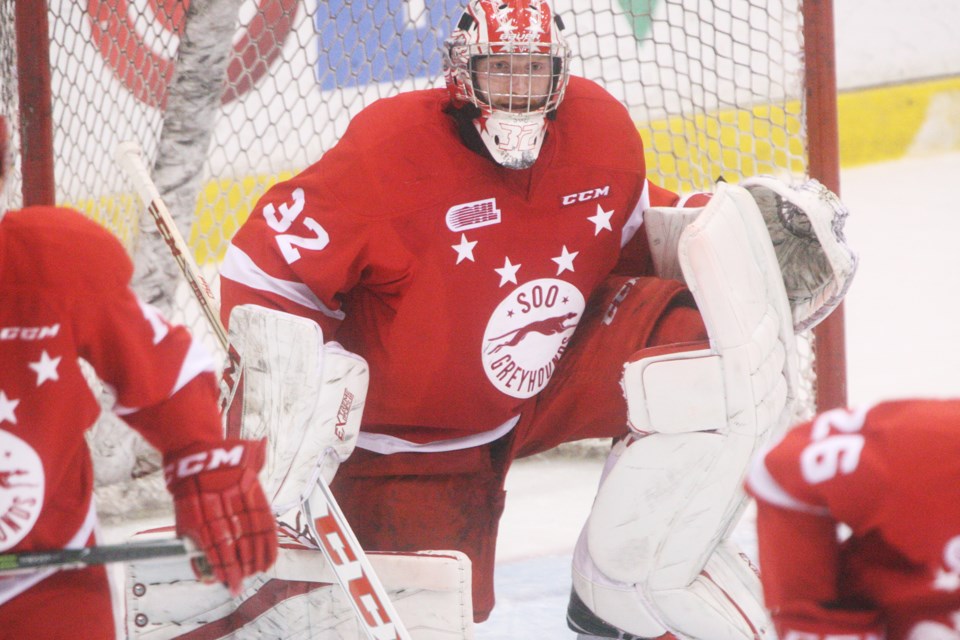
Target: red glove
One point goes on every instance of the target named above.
(220, 505)
(813, 622)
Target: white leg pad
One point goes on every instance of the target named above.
(722, 603)
(431, 591)
(304, 396)
(672, 493)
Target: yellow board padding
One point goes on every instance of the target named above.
(222, 206)
(730, 143)
(682, 154)
(883, 123)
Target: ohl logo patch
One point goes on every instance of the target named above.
(21, 489)
(527, 333)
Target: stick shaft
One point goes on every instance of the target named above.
(350, 565)
(131, 161)
(89, 556)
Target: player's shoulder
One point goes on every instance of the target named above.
(391, 157)
(914, 430)
(390, 125)
(591, 119)
(585, 97)
(62, 247)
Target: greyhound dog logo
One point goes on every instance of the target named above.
(22, 484)
(7, 482)
(547, 327)
(527, 333)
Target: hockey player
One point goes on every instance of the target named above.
(859, 531)
(484, 248)
(64, 287)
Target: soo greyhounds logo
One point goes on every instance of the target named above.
(22, 485)
(527, 333)
(139, 39)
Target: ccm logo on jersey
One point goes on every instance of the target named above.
(586, 196)
(29, 333)
(204, 461)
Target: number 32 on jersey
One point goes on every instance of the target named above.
(281, 218)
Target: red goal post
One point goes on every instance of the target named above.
(228, 96)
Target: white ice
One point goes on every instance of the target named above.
(902, 340)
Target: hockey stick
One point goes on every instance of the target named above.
(26, 561)
(337, 541)
(128, 156)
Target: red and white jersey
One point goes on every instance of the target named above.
(459, 280)
(891, 475)
(63, 286)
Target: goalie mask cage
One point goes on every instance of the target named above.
(228, 96)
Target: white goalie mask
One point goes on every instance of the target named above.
(508, 59)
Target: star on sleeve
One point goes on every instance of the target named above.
(601, 220)
(7, 406)
(46, 368)
(565, 260)
(464, 249)
(508, 273)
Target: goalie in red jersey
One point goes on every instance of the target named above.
(64, 287)
(496, 253)
(858, 525)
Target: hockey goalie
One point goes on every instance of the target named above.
(493, 254)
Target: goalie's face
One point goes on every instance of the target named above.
(508, 59)
(518, 83)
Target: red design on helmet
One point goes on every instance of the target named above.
(510, 61)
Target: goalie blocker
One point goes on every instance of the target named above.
(305, 396)
(653, 557)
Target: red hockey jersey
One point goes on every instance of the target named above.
(460, 281)
(63, 286)
(891, 476)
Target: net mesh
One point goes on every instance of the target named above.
(226, 97)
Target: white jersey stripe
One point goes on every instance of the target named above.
(196, 361)
(240, 268)
(385, 445)
(636, 216)
(766, 488)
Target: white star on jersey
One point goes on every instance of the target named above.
(508, 273)
(601, 220)
(565, 260)
(464, 249)
(46, 368)
(946, 581)
(6, 409)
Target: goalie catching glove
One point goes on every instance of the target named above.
(221, 507)
(805, 224)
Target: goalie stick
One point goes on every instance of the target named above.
(352, 568)
(26, 561)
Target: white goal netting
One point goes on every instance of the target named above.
(228, 96)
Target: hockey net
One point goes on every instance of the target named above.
(228, 96)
